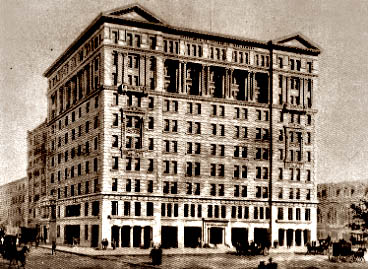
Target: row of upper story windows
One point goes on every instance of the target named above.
(213, 211)
(194, 188)
(80, 150)
(71, 117)
(73, 134)
(74, 171)
(89, 47)
(294, 193)
(76, 189)
(192, 169)
(72, 93)
(193, 108)
(196, 50)
(295, 174)
(291, 215)
(295, 64)
(294, 155)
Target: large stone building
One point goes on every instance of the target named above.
(38, 205)
(160, 134)
(13, 205)
(334, 214)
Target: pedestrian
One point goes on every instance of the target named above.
(262, 265)
(271, 265)
(53, 247)
(156, 255)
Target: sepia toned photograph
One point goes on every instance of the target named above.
(183, 134)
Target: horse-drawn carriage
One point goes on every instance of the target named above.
(9, 251)
(251, 249)
(342, 251)
(321, 249)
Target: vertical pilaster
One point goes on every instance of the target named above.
(125, 68)
(119, 66)
(184, 77)
(287, 90)
(228, 235)
(180, 234)
(230, 81)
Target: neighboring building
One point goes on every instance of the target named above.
(335, 217)
(13, 205)
(160, 134)
(38, 209)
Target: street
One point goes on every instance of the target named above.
(42, 258)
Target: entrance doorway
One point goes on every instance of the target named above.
(115, 235)
(137, 230)
(72, 234)
(44, 234)
(239, 236)
(94, 236)
(261, 236)
(192, 237)
(125, 236)
(281, 237)
(289, 237)
(147, 236)
(216, 235)
(169, 237)
(306, 236)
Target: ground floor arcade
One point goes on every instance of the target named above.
(179, 234)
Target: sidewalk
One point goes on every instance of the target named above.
(87, 251)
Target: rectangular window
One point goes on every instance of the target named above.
(86, 205)
(115, 163)
(114, 208)
(95, 208)
(137, 209)
(126, 208)
(149, 210)
(290, 214)
(150, 186)
(114, 186)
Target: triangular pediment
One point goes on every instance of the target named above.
(297, 41)
(134, 12)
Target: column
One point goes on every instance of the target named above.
(251, 87)
(202, 82)
(131, 237)
(142, 236)
(180, 234)
(302, 237)
(207, 79)
(251, 230)
(230, 80)
(293, 242)
(228, 235)
(225, 84)
(179, 78)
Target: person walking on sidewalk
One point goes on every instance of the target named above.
(53, 247)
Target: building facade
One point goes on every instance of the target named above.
(13, 205)
(38, 201)
(335, 217)
(160, 134)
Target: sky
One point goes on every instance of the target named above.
(35, 32)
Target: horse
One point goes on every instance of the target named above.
(359, 254)
(14, 256)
